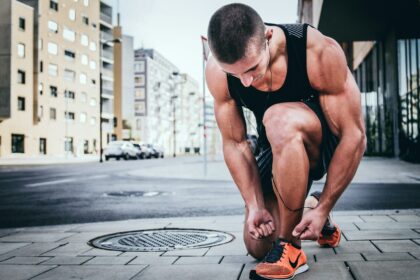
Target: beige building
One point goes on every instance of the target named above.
(54, 80)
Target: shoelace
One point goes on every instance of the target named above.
(275, 253)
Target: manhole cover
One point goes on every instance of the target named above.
(134, 194)
(160, 240)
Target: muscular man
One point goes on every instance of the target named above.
(307, 106)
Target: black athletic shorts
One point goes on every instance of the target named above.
(329, 143)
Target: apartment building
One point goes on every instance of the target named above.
(53, 86)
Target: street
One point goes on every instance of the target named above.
(91, 192)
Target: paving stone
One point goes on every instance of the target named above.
(32, 250)
(111, 227)
(239, 259)
(142, 254)
(346, 225)
(109, 260)
(406, 218)
(22, 272)
(236, 247)
(198, 260)
(415, 254)
(376, 218)
(91, 272)
(339, 257)
(397, 246)
(380, 234)
(355, 247)
(153, 260)
(312, 248)
(83, 237)
(67, 260)
(100, 252)
(194, 271)
(25, 260)
(387, 226)
(35, 237)
(7, 247)
(346, 219)
(402, 270)
(187, 252)
(69, 249)
(387, 256)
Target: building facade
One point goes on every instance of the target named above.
(382, 45)
(52, 91)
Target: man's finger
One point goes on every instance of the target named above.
(265, 229)
(300, 228)
(271, 224)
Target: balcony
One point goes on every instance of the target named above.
(106, 18)
(105, 36)
(108, 54)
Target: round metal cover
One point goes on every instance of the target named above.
(160, 240)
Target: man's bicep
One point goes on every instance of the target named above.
(230, 120)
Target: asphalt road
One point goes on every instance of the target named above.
(91, 192)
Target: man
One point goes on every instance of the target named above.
(309, 120)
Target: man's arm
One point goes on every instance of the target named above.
(237, 153)
(340, 102)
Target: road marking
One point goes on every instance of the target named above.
(50, 183)
(101, 176)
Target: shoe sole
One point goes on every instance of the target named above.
(254, 276)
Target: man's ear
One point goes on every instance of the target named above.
(268, 33)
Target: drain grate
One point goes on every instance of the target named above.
(160, 240)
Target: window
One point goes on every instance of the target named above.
(83, 117)
(18, 143)
(21, 77)
(21, 103)
(40, 88)
(52, 69)
(69, 75)
(93, 82)
(83, 97)
(40, 112)
(40, 44)
(140, 93)
(85, 20)
(52, 48)
(43, 146)
(139, 80)
(69, 94)
(69, 116)
(92, 102)
(68, 144)
(83, 78)
(84, 40)
(92, 65)
(54, 5)
(53, 114)
(84, 59)
(69, 34)
(21, 23)
(92, 120)
(53, 91)
(21, 50)
(92, 46)
(139, 66)
(86, 2)
(52, 26)
(70, 55)
(41, 66)
(72, 14)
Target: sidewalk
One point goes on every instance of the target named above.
(46, 160)
(375, 245)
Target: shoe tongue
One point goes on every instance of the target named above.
(281, 241)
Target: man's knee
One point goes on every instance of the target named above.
(282, 127)
(258, 249)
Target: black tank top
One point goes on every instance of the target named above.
(296, 86)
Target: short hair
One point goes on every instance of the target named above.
(231, 30)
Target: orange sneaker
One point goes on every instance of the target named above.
(330, 235)
(284, 261)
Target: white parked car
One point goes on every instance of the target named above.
(120, 149)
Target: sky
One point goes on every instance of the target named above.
(173, 27)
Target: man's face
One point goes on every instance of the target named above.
(251, 68)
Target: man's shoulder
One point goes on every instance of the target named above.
(216, 80)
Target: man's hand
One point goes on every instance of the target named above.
(260, 223)
(311, 225)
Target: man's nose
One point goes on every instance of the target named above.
(247, 80)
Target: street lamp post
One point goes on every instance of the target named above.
(116, 40)
(173, 97)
